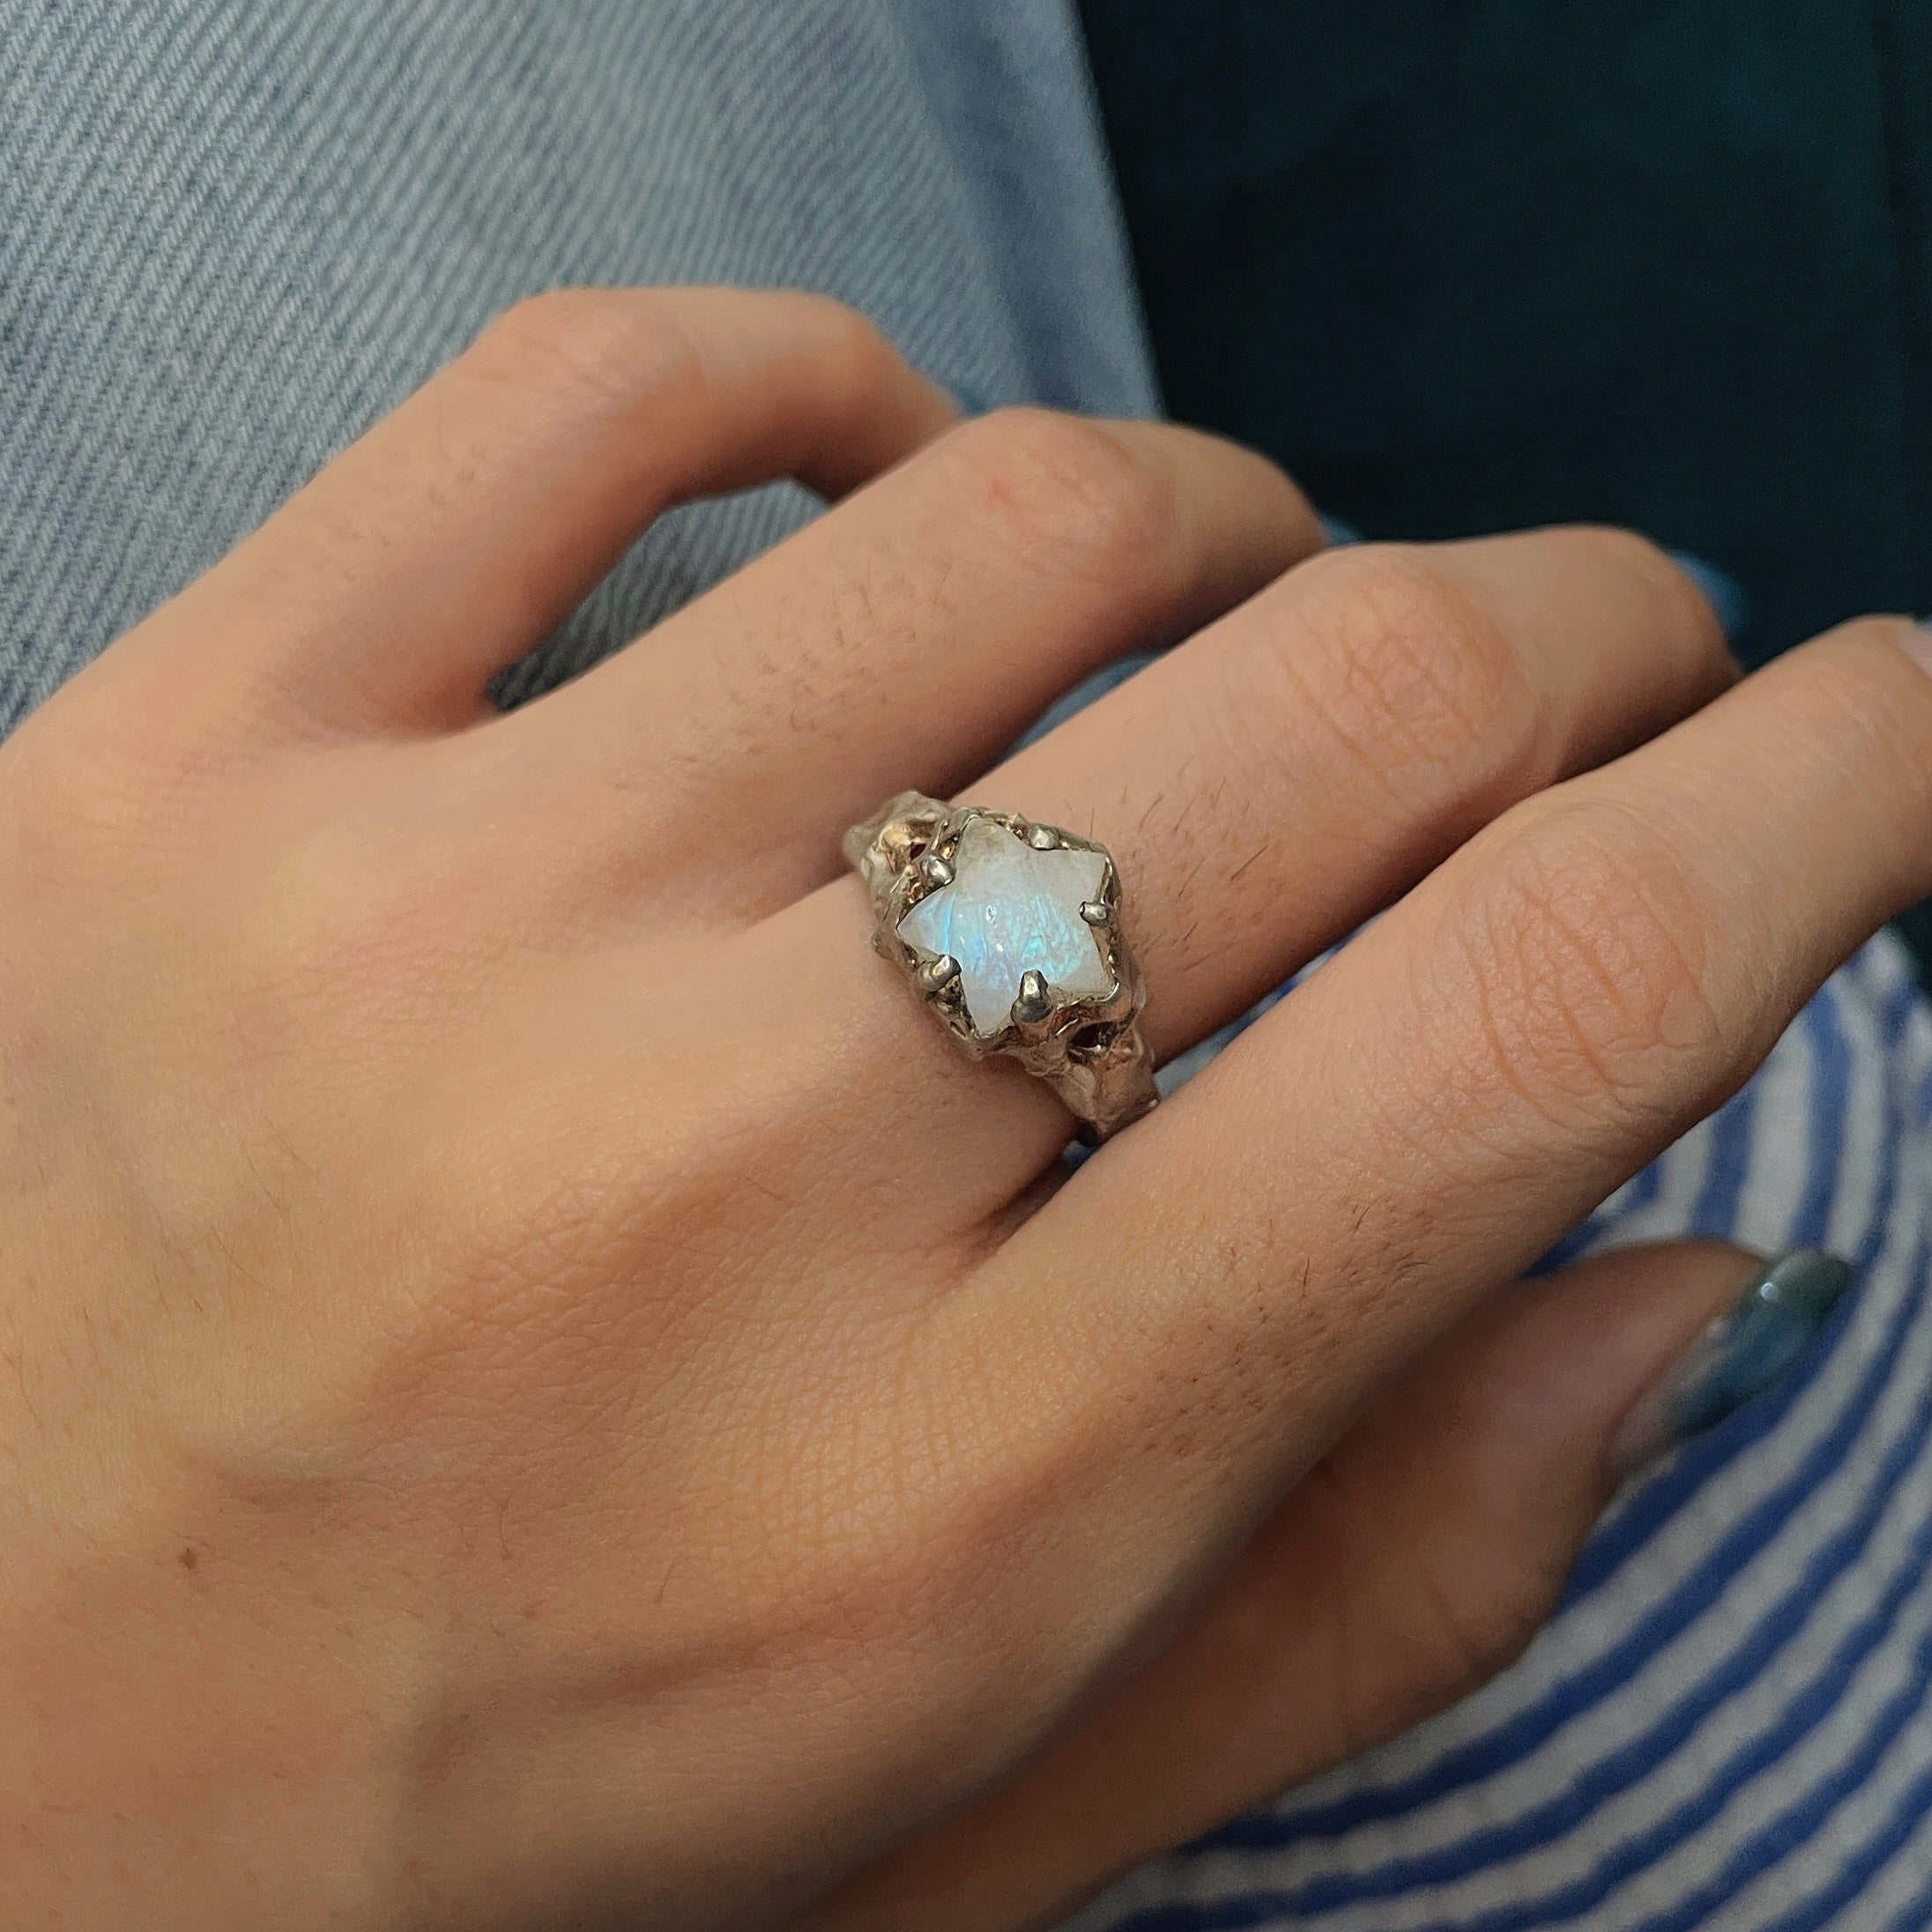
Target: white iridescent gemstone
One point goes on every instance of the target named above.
(1011, 910)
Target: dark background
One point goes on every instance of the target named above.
(1470, 265)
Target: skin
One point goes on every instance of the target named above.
(538, 1387)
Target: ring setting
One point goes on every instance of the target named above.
(1009, 930)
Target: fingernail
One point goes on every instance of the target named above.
(1766, 1332)
(1918, 646)
(1721, 591)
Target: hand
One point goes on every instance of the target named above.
(539, 1387)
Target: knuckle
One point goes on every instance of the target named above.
(602, 344)
(1860, 635)
(1591, 946)
(1852, 701)
(1632, 551)
(1679, 615)
(853, 342)
(1422, 684)
(1071, 494)
(71, 820)
(1858, 680)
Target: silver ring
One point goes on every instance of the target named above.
(1010, 932)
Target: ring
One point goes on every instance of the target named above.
(1010, 932)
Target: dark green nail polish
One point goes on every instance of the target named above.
(1775, 1322)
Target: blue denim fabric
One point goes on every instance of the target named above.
(235, 232)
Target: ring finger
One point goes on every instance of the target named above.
(1282, 776)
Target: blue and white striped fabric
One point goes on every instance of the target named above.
(1726, 1724)
(234, 231)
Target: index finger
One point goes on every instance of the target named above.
(464, 526)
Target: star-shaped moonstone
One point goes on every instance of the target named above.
(1011, 910)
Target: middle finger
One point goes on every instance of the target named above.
(907, 635)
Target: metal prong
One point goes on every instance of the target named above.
(1034, 1003)
(1095, 911)
(937, 973)
(936, 869)
(1043, 838)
